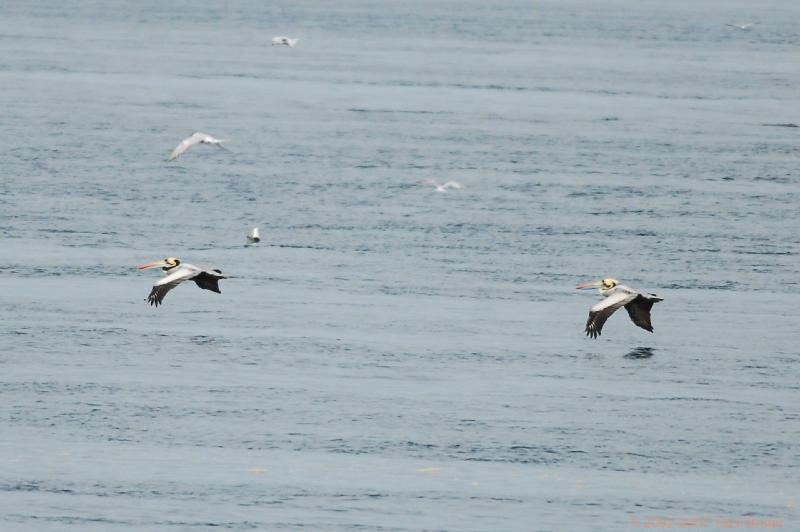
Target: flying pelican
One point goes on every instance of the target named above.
(742, 26)
(442, 188)
(638, 305)
(177, 272)
(195, 138)
(254, 236)
(284, 41)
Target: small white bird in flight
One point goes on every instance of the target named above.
(284, 41)
(638, 305)
(195, 138)
(176, 273)
(254, 236)
(442, 188)
(742, 26)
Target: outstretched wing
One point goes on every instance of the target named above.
(185, 144)
(157, 294)
(639, 311)
(208, 281)
(603, 310)
(165, 284)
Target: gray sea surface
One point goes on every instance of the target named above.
(392, 358)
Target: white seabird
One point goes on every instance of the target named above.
(284, 41)
(442, 188)
(254, 236)
(195, 138)
(742, 26)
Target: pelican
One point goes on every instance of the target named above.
(175, 273)
(442, 188)
(638, 305)
(284, 41)
(195, 138)
(742, 26)
(254, 236)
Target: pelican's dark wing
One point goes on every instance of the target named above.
(209, 280)
(165, 284)
(158, 292)
(603, 310)
(639, 311)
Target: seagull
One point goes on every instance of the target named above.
(442, 188)
(254, 236)
(742, 26)
(638, 305)
(195, 138)
(284, 41)
(177, 272)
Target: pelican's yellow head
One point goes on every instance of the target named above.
(609, 282)
(166, 264)
(604, 284)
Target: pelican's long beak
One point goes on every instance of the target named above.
(593, 284)
(154, 264)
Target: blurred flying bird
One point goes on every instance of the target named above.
(742, 26)
(638, 305)
(175, 273)
(442, 188)
(195, 138)
(284, 41)
(254, 236)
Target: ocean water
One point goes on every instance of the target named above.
(390, 357)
